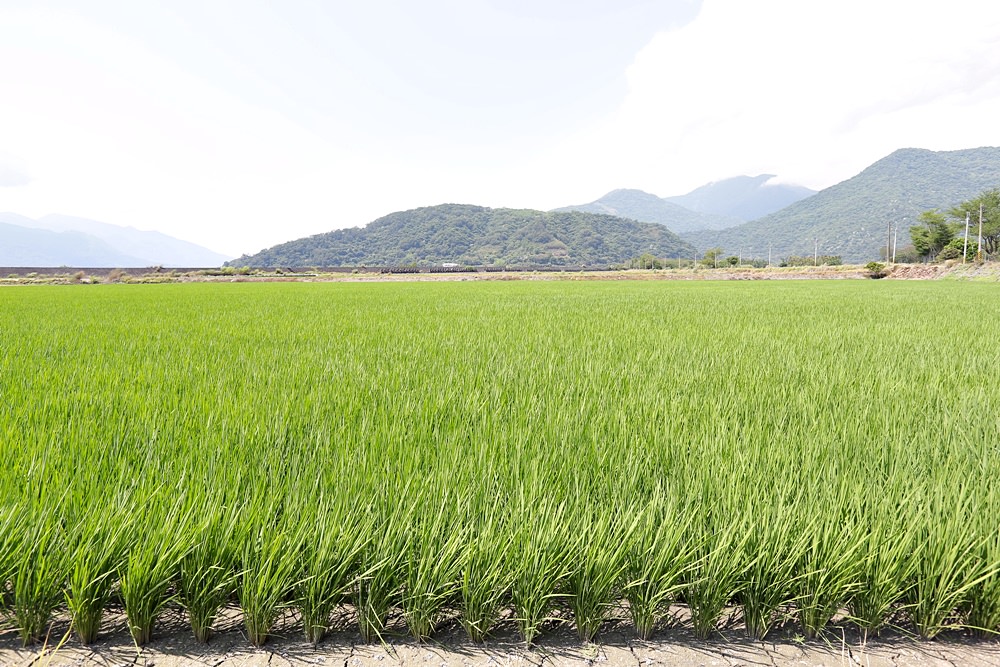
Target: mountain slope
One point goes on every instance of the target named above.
(59, 240)
(474, 235)
(151, 248)
(645, 207)
(25, 246)
(851, 218)
(742, 197)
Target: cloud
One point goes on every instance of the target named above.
(12, 172)
(812, 92)
(11, 178)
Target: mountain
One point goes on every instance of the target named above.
(851, 219)
(60, 240)
(25, 246)
(742, 197)
(474, 235)
(645, 207)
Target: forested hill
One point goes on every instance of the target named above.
(474, 235)
(851, 219)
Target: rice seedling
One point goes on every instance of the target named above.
(207, 573)
(715, 576)
(266, 580)
(773, 550)
(380, 577)
(37, 575)
(149, 567)
(95, 548)
(432, 566)
(331, 549)
(539, 562)
(484, 580)
(983, 599)
(598, 558)
(829, 568)
(658, 555)
(886, 563)
(945, 573)
(11, 533)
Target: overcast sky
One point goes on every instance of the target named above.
(238, 124)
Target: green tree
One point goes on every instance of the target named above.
(934, 234)
(990, 201)
(712, 256)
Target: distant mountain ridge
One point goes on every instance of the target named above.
(646, 207)
(59, 240)
(475, 235)
(742, 197)
(717, 205)
(852, 218)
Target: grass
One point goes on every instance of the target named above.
(547, 453)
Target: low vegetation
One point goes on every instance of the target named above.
(786, 454)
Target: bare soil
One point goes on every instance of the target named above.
(173, 645)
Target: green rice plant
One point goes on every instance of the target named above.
(150, 564)
(331, 548)
(774, 549)
(598, 554)
(946, 572)
(717, 569)
(983, 599)
(886, 562)
(433, 564)
(829, 566)
(485, 579)
(266, 580)
(207, 573)
(539, 561)
(94, 554)
(11, 532)
(38, 574)
(380, 578)
(742, 426)
(658, 556)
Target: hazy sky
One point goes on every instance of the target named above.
(239, 124)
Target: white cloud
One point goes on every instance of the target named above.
(812, 92)
(13, 172)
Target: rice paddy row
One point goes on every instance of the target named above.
(790, 450)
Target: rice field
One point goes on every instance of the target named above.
(785, 454)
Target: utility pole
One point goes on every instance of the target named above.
(965, 245)
(768, 255)
(979, 248)
(888, 244)
(895, 233)
(741, 258)
(816, 252)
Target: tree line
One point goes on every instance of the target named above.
(956, 233)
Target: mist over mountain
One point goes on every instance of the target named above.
(61, 240)
(852, 219)
(479, 236)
